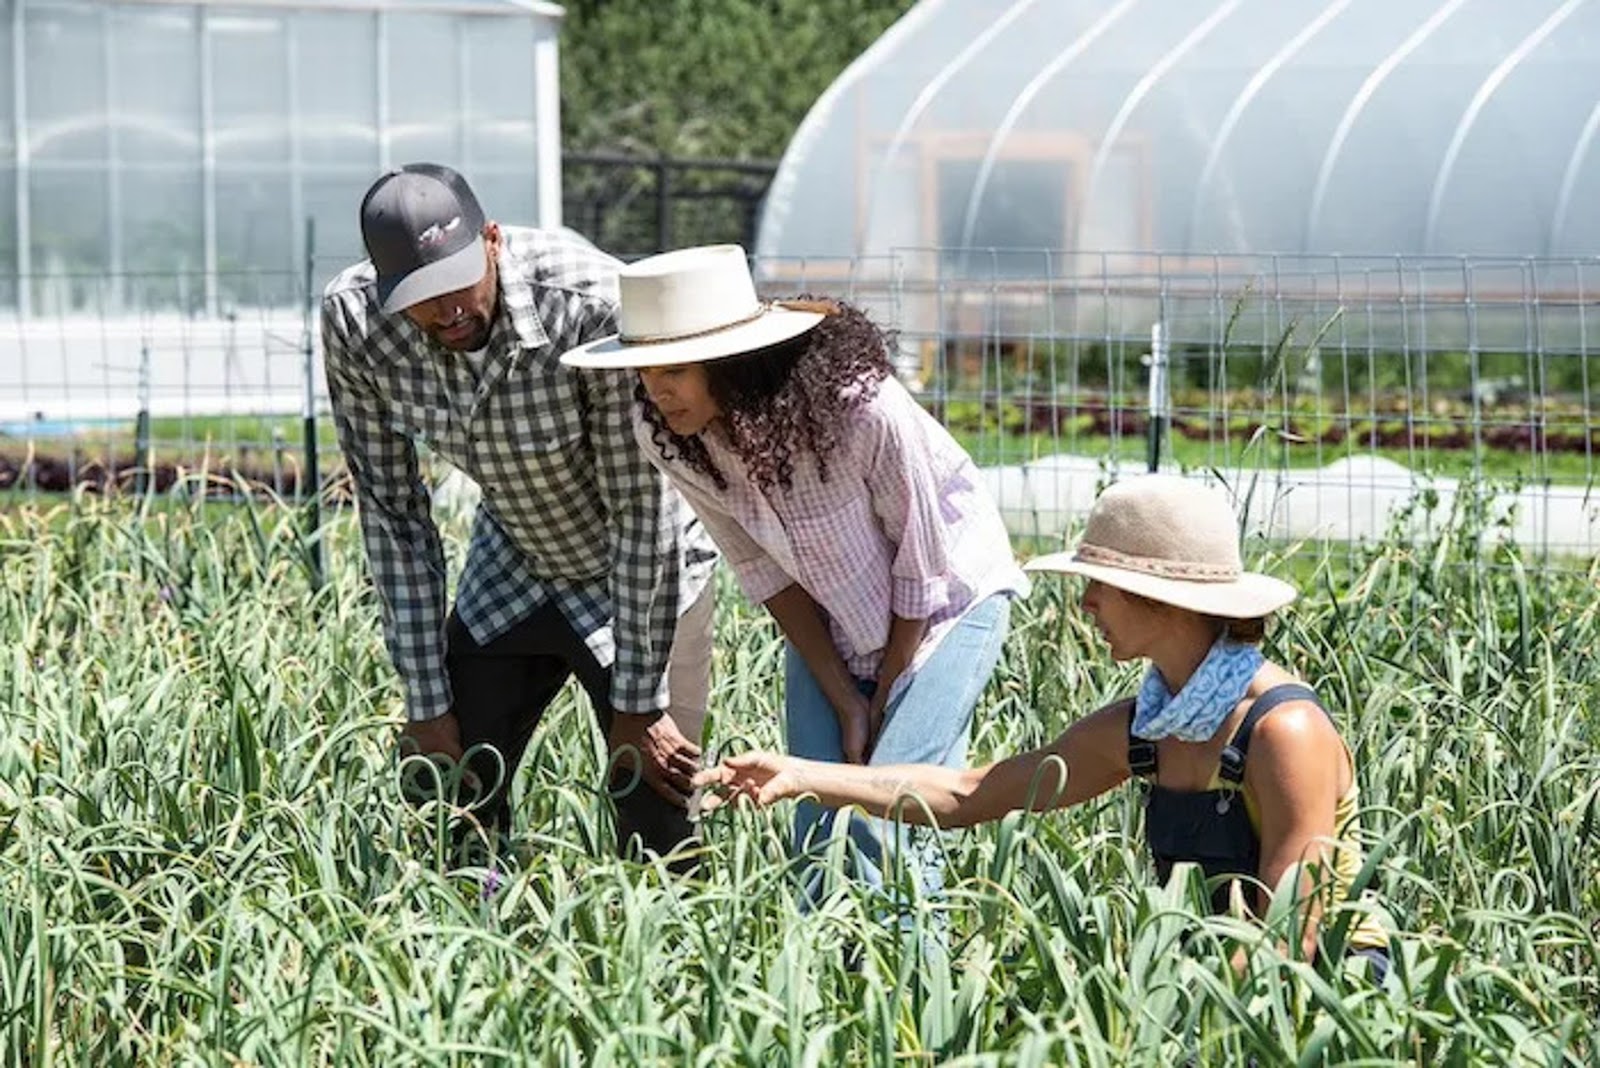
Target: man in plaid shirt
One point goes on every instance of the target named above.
(583, 561)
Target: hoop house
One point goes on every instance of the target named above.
(1053, 139)
(1310, 126)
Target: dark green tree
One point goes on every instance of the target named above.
(696, 79)
(728, 78)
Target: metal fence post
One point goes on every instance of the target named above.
(310, 488)
(1159, 405)
(143, 480)
(663, 205)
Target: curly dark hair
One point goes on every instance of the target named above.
(787, 398)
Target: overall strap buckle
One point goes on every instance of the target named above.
(1230, 767)
(1141, 756)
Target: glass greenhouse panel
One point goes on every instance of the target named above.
(162, 240)
(335, 63)
(508, 198)
(155, 67)
(427, 114)
(70, 236)
(250, 87)
(255, 241)
(194, 140)
(498, 113)
(331, 200)
(8, 133)
(1575, 225)
(8, 235)
(1229, 126)
(66, 96)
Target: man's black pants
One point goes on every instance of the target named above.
(502, 689)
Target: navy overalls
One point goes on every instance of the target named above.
(1211, 828)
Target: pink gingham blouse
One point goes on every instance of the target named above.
(902, 527)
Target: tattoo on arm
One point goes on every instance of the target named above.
(892, 784)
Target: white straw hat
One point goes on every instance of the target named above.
(1173, 541)
(688, 306)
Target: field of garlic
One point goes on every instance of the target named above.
(205, 857)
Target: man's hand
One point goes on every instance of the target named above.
(877, 704)
(432, 737)
(439, 740)
(670, 760)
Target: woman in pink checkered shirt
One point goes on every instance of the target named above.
(842, 506)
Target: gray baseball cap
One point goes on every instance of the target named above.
(423, 229)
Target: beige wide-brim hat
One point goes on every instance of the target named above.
(1173, 541)
(689, 306)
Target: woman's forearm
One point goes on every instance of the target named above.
(1086, 761)
(798, 616)
(1317, 886)
(916, 793)
(905, 636)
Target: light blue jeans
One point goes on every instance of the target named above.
(928, 723)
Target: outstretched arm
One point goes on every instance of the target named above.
(1092, 755)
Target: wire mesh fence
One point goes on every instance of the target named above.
(1338, 395)
(92, 393)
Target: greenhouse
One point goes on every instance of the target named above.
(1233, 126)
(167, 154)
(1094, 165)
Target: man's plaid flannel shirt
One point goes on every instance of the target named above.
(571, 511)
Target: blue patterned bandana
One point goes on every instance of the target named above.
(1199, 708)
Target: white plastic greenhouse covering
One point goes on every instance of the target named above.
(164, 155)
(1306, 127)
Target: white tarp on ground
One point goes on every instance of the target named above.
(69, 370)
(1350, 499)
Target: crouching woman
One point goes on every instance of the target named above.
(1247, 776)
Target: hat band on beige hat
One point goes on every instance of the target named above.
(1169, 539)
(1188, 570)
(1209, 589)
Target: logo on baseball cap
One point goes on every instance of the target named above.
(423, 229)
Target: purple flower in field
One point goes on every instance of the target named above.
(167, 594)
(491, 884)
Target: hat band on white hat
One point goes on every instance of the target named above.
(666, 339)
(1190, 570)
